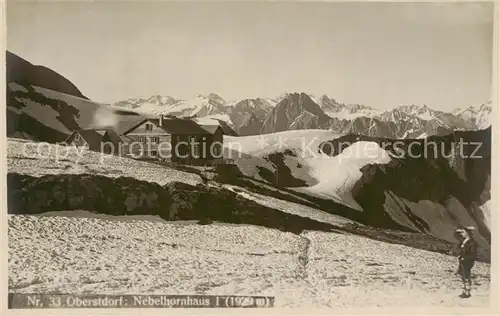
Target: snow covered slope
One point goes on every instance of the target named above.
(337, 175)
(45, 115)
(43, 105)
(38, 159)
(426, 195)
(323, 175)
(251, 153)
(49, 115)
(81, 253)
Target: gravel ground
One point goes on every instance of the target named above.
(83, 253)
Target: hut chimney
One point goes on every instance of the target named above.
(161, 119)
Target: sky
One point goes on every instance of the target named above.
(378, 54)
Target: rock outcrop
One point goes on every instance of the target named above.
(128, 196)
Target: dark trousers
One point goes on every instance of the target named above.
(465, 267)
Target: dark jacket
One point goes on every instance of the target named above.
(468, 251)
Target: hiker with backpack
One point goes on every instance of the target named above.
(466, 258)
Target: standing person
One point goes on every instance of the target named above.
(466, 258)
(456, 250)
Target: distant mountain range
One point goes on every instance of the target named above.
(42, 104)
(292, 111)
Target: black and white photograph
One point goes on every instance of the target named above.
(270, 155)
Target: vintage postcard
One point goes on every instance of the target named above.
(275, 156)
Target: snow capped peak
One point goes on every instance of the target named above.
(340, 110)
(258, 103)
(477, 115)
(161, 100)
(154, 100)
(474, 109)
(410, 109)
(326, 98)
(471, 117)
(395, 115)
(253, 113)
(485, 106)
(201, 106)
(421, 111)
(213, 97)
(314, 98)
(280, 97)
(466, 111)
(483, 115)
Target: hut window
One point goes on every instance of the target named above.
(217, 150)
(149, 127)
(196, 150)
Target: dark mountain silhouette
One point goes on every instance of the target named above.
(295, 111)
(44, 106)
(25, 73)
(21, 77)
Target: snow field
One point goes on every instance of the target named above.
(39, 159)
(119, 255)
(85, 255)
(326, 176)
